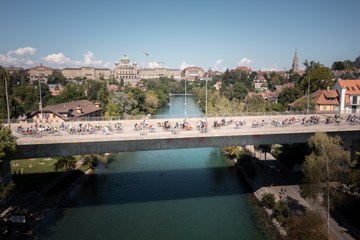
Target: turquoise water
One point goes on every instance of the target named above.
(173, 194)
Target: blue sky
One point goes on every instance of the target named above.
(220, 34)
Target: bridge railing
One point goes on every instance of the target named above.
(210, 115)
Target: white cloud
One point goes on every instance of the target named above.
(18, 57)
(184, 65)
(60, 60)
(218, 66)
(269, 69)
(57, 58)
(89, 59)
(7, 60)
(154, 64)
(244, 61)
(23, 51)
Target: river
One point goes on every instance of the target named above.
(173, 194)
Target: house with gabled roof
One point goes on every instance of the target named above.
(349, 95)
(67, 111)
(324, 100)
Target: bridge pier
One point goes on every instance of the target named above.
(5, 177)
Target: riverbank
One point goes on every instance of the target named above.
(284, 185)
(32, 207)
(259, 192)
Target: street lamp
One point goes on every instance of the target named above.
(40, 100)
(185, 98)
(7, 102)
(206, 100)
(308, 98)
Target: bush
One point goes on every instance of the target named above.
(281, 212)
(7, 190)
(268, 200)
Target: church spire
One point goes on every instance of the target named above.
(295, 64)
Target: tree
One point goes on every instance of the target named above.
(7, 149)
(120, 104)
(240, 91)
(57, 78)
(308, 226)
(256, 104)
(4, 76)
(327, 162)
(71, 92)
(7, 143)
(231, 151)
(92, 90)
(137, 100)
(67, 162)
(318, 76)
(152, 102)
(93, 160)
(289, 95)
(356, 63)
(265, 149)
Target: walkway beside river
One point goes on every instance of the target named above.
(287, 186)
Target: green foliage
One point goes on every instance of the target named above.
(257, 104)
(268, 200)
(7, 143)
(93, 160)
(57, 78)
(19, 77)
(318, 76)
(275, 78)
(3, 76)
(239, 91)
(308, 226)
(7, 190)
(67, 162)
(137, 100)
(152, 102)
(289, 95)
(281, 212)
(71, 92)
(231, 151)
(92, 89)
(328, 161)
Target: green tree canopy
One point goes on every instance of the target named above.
(57, 78)
(288, 95)
(71, 92)
(7, 143)
(256, 104)
(67, 162)
(317, 77)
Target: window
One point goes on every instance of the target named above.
(354, 100)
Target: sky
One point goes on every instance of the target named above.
(216, 34)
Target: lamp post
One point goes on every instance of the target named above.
(7, 102)
(308, 98)
(206, 100)
(40, 100)
(185, 98)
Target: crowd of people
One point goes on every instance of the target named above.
(202, 126)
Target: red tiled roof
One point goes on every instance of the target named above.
(352, 86)
(321, 97)
(86, 106)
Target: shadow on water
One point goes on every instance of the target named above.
(134, 187)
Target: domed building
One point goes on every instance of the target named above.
(126, 70)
